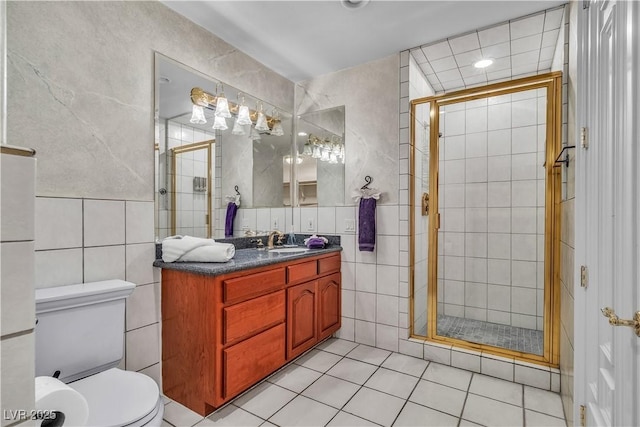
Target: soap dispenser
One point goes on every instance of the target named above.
(291, 238)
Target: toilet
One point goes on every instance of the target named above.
(80, 337)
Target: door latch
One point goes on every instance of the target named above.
(616, 321)
(425, 204)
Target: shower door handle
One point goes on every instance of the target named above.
(425, 204)
(616, 321)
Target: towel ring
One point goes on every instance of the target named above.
(236, 188)
(369, 180)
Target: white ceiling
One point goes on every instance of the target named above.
(518, 48)
(304, 39)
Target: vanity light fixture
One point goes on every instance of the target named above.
(238, 128)
(483, 63)
(206, 100)
(261, 122)
(325, 155)
(197, 115)
(317, 152)
(244, 118)
(277, 130)
(287, 160)
(220, 123)
(254, 135)
(222, 105)
(308, 150)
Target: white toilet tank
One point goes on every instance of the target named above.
(80, 328)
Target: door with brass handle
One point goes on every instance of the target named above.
(616, 321)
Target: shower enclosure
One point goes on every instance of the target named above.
(484, 218)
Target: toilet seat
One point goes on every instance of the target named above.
(118, 398)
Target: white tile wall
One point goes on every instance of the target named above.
(104, 263)
(499, 212)
(58, 267)
(89, 245)
(18, 197)
(17, 217)
(17, 278)
(17, 373)
(104, 222)
(58, 223)
(139, 222)
(143, 347)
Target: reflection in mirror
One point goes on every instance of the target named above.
(321, 158)
(198, 166)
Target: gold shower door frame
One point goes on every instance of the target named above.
(551, 333)
(208, 145)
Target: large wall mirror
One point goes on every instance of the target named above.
(321, 158)
(198, 168)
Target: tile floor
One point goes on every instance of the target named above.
(342, 383)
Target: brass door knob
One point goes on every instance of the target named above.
(616, 321)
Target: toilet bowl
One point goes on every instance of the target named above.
(80, 339)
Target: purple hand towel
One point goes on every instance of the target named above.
(367, 223)
(315, 243)
(232, 208)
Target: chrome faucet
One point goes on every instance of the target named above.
(270, 240)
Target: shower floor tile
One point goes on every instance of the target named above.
(505, 336)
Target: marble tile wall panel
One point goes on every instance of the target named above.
(94, 129)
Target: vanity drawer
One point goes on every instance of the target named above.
(251, 360)
(302, 271)
(243, 319)
(329, 265)
(253, 284)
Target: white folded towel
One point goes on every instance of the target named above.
(195, 249)
(219, 252)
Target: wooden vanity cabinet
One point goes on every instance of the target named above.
(222, 334)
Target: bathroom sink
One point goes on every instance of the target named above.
(288, 250)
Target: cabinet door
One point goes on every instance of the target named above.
(329, 305)
(248, 362)
(302, 332)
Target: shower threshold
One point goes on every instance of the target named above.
(494, 334)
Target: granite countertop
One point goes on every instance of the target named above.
(244, 259)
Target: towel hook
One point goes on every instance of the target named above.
(236, 188)
(369, 180)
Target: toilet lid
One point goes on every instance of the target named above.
(116, 397)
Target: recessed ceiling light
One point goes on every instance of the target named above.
(483, 63)
(354, 4)
(302, 134)
(164, 80)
